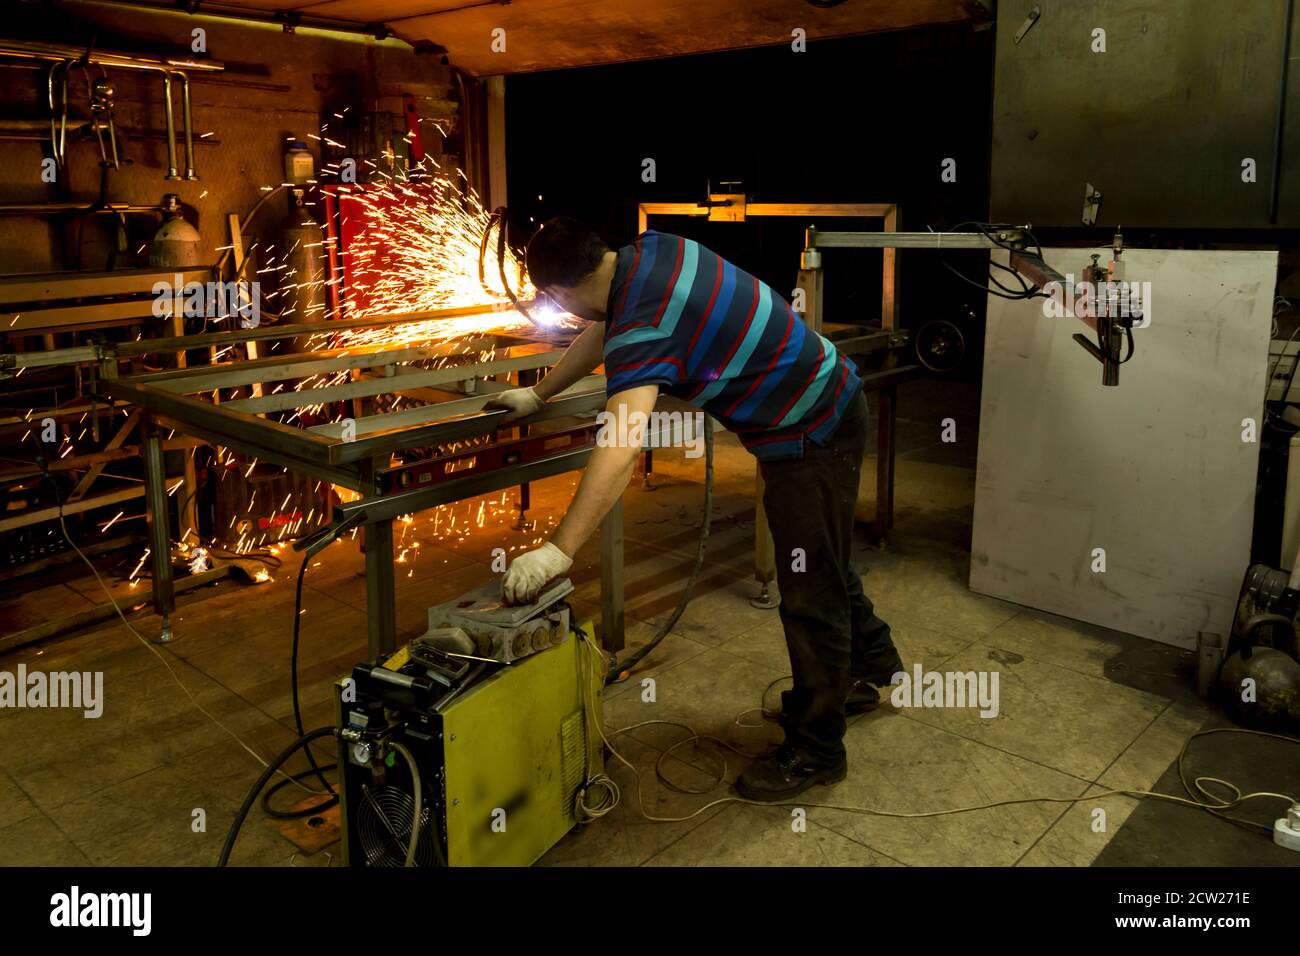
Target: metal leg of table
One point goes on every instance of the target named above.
(160, 544)
(611, 579)
(381, 587)
(527, 378)
(381, 601)
(189, 513)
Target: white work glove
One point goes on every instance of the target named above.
(518, 401)
(531, 571)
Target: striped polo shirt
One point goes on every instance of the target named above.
(683, 318)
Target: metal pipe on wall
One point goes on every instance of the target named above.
(58, 208)
(171, 126)
(37, 50)
(288, 20)
(66, 55)
(189, 126)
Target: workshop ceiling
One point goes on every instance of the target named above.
(553, 34)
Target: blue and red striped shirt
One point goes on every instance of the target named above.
(684, 318)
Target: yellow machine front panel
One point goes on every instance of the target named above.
(516, 748)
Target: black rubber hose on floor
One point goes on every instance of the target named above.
(269, 772)
(297, 778)
(293, 680)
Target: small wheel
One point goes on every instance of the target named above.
(940, 346)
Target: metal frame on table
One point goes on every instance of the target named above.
(354, 461)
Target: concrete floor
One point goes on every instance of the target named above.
(125, 789)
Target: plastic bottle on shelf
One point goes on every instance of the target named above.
(299, 166)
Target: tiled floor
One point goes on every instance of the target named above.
(154, 781)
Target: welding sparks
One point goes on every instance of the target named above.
(417, 249)
(412, 246)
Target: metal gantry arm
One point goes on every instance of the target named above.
(1109, 328)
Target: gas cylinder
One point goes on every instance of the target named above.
(176, 244)
(302, 252)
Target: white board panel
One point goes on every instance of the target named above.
(1154, 471)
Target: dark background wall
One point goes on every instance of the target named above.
(864, 119)
(1160, 122)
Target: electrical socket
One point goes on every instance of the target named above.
(1286, 831)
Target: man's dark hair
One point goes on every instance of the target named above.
(563, 252)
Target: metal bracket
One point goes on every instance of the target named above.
(1028, 25)
(728, 206)
(1091, 204)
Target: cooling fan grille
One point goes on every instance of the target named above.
(384, 825)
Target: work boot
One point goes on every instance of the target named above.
(879, 668)
(785, 775)
(862, 697)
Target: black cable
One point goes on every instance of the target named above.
(493, 219)
(1026, 288)
(293, 672)
(1129, 333)
(498, 218)
(318, 771)
(1268, 415)
(1026, 291)
(180, 510)
(987, 229)
(618, 670)
(270, 770)
(275, 814)
(985, 288)
(1290, 379)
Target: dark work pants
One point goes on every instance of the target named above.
(831, 628)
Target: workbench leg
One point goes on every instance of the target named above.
(886, 414)
(381, 600)
(764, 550)
(525, 502)
(160, 543)
(611, 579)
(189, 513)
(528, 377)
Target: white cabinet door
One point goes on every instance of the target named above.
(1155, 476)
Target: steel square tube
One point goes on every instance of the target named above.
(414, 378)
(456, 429)
(387, 507)
(217, 423)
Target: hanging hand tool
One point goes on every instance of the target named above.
(59, 110)
(101, 115)
(188, 117)
(171, 127)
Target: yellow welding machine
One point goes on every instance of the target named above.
(501, 764)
